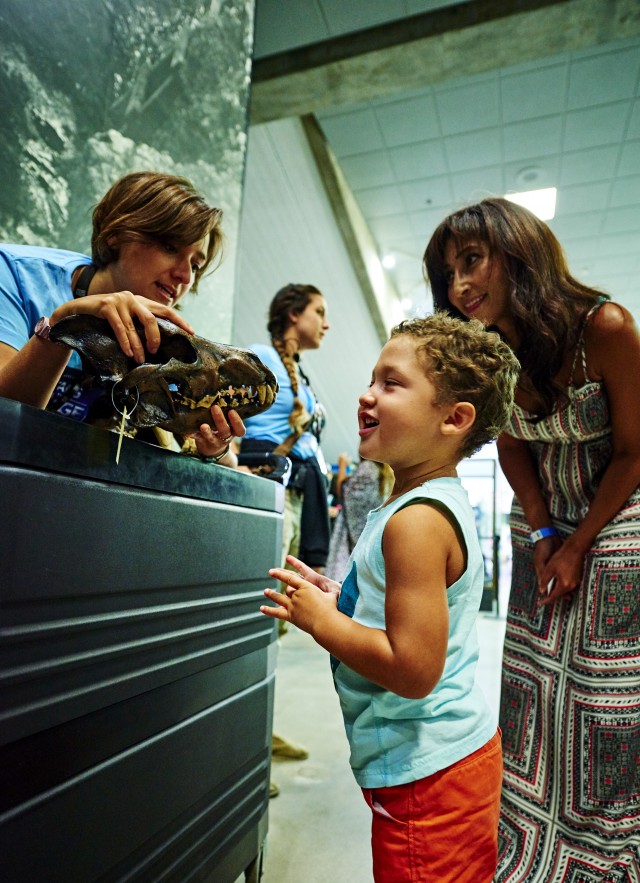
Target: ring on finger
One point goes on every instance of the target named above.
(227, 439)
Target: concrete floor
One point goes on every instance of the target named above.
(319, 825)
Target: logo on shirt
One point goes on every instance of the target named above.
(349, 594)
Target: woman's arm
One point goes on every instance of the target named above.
(613, 357)
(408, 656)
(30, 375)
(520, 470)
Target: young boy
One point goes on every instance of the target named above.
(401, 627)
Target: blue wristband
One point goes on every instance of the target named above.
(543, 532)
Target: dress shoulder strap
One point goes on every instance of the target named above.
(580, 348)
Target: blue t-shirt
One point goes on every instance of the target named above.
(395, 740)
(273, 425)
(33, 282)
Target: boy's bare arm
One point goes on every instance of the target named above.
(408, 657)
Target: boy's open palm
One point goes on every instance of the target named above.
(422, 556)
(303, 603)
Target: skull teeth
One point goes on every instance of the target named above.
(230, 397)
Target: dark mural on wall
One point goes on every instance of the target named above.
(91, 89)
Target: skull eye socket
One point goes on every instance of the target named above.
(177, 347)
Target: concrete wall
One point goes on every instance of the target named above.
(92, 90)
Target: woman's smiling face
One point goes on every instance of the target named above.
(477, 282)
(163, 273)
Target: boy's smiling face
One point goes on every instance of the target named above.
(399, 422)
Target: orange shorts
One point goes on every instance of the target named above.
(442, 828)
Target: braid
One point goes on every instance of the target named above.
(299, 416)
(292, 298)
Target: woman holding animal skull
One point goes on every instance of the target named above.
(154, 236)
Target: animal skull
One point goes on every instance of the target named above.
(177, 385)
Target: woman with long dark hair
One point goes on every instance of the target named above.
(570, 704)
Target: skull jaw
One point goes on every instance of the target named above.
(176, 387)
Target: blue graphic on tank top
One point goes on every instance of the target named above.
(349, 594)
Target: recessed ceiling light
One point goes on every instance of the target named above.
(406, 304)
(541, 202)
(528, 176)
(389, 261)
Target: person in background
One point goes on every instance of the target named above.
(292, 426)
(363, 490)
(570, 704)
(154, 236)
(401, 629)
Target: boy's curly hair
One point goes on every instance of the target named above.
(467, 363)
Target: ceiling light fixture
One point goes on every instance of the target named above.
(541, 202)
(389, 261)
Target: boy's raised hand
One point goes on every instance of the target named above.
(303, 602)
(312, 576)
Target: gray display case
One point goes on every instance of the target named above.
(137, 673)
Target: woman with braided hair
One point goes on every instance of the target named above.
(292, 426)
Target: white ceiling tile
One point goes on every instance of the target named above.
(473, 186)
(424, 223)
(417, 160)
(367, 169)
(621, 243)
(614, 285)
(406, 122)
(377, 202)
(353, 132)
(629, 158)
(536, 93)
(626, 191)
(603, 78)
(530, 138)
(583, 197)
(468, 107)
(474, 150)
(570, 227)
(622, 220)
(391, 229)
(408, 252)
(595, 126)
(579, 166)
(581, 252)
(429, 192)
(608, 266)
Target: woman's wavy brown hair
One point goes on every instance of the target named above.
(548, 304)
(157, 208)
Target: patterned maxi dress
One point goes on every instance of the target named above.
(570, 704)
